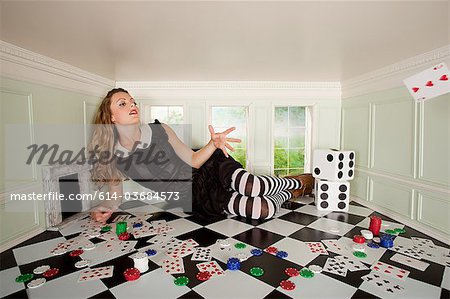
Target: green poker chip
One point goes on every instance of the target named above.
(399, 230)
(256, 271)
(105, 229)
(390, 231)
(240, 245)
(181, 281)
(24, 277)
(360, 254)
(306, 273)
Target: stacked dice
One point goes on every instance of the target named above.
(332, 169)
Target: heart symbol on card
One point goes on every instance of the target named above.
(429, 84)
(415, 89)
(443, 78)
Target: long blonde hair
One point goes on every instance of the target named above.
(101, 147)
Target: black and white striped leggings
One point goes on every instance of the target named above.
(258, 197)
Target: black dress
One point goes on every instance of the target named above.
(157, 167)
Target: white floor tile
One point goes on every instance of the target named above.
(360, 211)
(8, 284)
(182, 226)
(446, 279)
(320, 286)
(281, 212)
(67, 286)
(234, 284)
(37, 251)
(139, 211)
(155, 284)
(281, 227)
(298, 251)
(331, 226)
(312, 210)
(229, 227)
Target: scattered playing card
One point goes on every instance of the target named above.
(335, 246)
(96, 273)
(317, 247)
(173, 266)
(384, 283)
(411, 262)
(390, 270)
(351, 264)
(335, 267)
(180, 251)
(212, 267)
(202, 254)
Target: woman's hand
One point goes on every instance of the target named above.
(220, 140)
(101, 214)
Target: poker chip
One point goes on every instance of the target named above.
(256, 271)
(373, 245)
(287, 285)
(315, 268)
(203, 276)
(376, 239)
(233, 264)
(75, 253)
(360, 254)
(59, 251)
(50, 272)
(240, 245)
(124, 236)
(181, 281)
(271, 250)
(292, 272)
(256, 252)
(41, 269)
(139, 256)
(24, 277)
(399, 230)
(131, 274)
(223, 243)
(82, 263)
(93, 233)
(367, 234)
(137, 225)
(390, 231)
(150, 252)
(282, 254)
(306, 273)
(36, 283)
(106, 228)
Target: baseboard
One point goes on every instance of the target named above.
(21, 239)
(414, 224)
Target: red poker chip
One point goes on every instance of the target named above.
(50, 272)
(292, 272)
(76, 252)
(131, 274)
(287, 285)
(124, 236)
(272, 250)
(202, 276)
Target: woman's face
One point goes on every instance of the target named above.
(123, 109)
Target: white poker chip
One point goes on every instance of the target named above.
(82, 263)
(367, 234)
(41, 269)
(223, 243)
(242, 256)
(88, 246)
(139, 256)
(36, 283)
(59, 251)
(315, 268)
(376, 240)
(93, 233)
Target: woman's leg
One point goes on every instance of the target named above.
(259, 207)
(258, 185)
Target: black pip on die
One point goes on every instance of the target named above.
(332, 169)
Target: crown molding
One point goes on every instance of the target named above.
(393, 75)
(21, 64)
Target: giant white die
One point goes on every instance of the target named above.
(332, 195)
(334, 165)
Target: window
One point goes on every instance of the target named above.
(289, 140)
(165, 114)
(224, 117)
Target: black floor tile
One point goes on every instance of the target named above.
(204, 221)
(307, 234)
(191, 295)
(291, 205)
(275, 294)
(410, 232)
(445, 294)
(259, 238)
(103, 295)
(47, 235)
(17, 295)
(345, 217)
(7, 260)
(360, 294)
(250, 221)
(299, 218)
(203, 236)
(163, 216)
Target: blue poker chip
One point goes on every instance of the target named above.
(150, 252)
(256, 252)
(137, 224)
(282, 254)
(233, 264)
(373, 245)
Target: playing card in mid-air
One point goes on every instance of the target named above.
(430, 83)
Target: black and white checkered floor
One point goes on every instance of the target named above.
(295, 224)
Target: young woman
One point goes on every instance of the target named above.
(153, 156)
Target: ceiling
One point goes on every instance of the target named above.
(227, 40)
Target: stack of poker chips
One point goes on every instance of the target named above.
(121, 227)
(140, 261)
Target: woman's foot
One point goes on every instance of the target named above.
(307, 182)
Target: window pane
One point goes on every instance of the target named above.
(281, 137)
(295, 171)
(175, 115)
(280, 158)
(296, 138)
(296, 158)
(281, 116)
(296, 116)
(239, 155)
(160, 113)
(280, 172)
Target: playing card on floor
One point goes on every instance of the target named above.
(335, 267)
(202, 254)
(96, 273)
(409, 261)
(384, 283)
(390, 270)
(351, 264)
(180, 251)
(212, 267)
(173, 266)
(317, 247)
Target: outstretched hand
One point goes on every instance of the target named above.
(220, 140)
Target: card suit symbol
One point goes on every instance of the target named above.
(443, 78)
(429, 84)
(415, 89)
(390, 290)
(379, 284)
